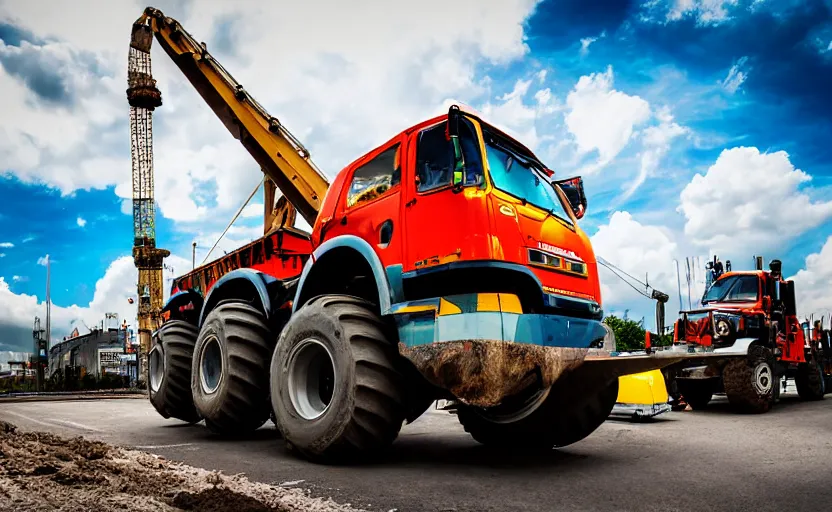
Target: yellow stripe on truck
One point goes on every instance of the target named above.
(510, 303)
(447, 307)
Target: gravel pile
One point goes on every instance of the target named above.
(40, 471)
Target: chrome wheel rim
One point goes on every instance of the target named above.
(763, 379)
(156, 368)
(210, 365)
(311, 378)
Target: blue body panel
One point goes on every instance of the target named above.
(548, 330)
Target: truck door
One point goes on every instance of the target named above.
(444, 223)
(370, 207)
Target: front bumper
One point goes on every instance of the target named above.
(482, 348)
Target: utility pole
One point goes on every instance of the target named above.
(48, 306)
(679, 284)
(687, 278)
(193, 257)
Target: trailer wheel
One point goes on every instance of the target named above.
(336, 391)
(169, 371)
(697, 393)
(749, 381)
(230, 380)
(542, 421)
(810, 380)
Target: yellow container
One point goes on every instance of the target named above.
(642, 395)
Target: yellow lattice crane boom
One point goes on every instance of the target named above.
(281, 156)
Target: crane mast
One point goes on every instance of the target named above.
(143, 97)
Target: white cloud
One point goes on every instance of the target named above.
(707, 12)
(252, 211)
(6, 245)
(637, 249)
(2, 254)
(749, 202)
(66, 114)
(81, 222)
(647, 253)
(587, 41)
(19, 279)
(736, 76)
(519, 119)
(602, 118)
(656, 142)
(812, 284)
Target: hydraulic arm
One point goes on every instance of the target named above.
(283, 159)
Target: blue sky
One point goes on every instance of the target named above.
(639, 97)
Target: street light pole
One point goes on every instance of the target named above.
(193, 257)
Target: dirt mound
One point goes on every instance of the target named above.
(44, 472)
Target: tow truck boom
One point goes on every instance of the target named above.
(282, 158)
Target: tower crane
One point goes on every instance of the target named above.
(283, 159)
(143, 97)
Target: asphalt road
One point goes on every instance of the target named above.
(711, 460)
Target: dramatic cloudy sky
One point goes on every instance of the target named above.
(701, 127)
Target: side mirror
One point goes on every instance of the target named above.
(574, 190)
(452, 133)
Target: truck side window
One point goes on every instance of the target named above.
(376, 177)
(435, 157)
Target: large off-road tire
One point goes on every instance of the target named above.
(810, 380)
(540, 422)
(697, 393)
(749, 381)
(169, 371)
(336, 388)
(230, 377)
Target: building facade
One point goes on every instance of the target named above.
(97, 353)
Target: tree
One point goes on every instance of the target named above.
(629, 334)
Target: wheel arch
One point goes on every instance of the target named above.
(244, 284)
(181, 299)
(334, 263)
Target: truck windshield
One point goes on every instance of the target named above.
(732, 289)
(520, 176)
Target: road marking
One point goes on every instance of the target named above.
(55, 423)
(157, 446)
(77, 425)
(33, 420)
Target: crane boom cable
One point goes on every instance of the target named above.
(236, 215)
(612, 268)
(607, 264)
